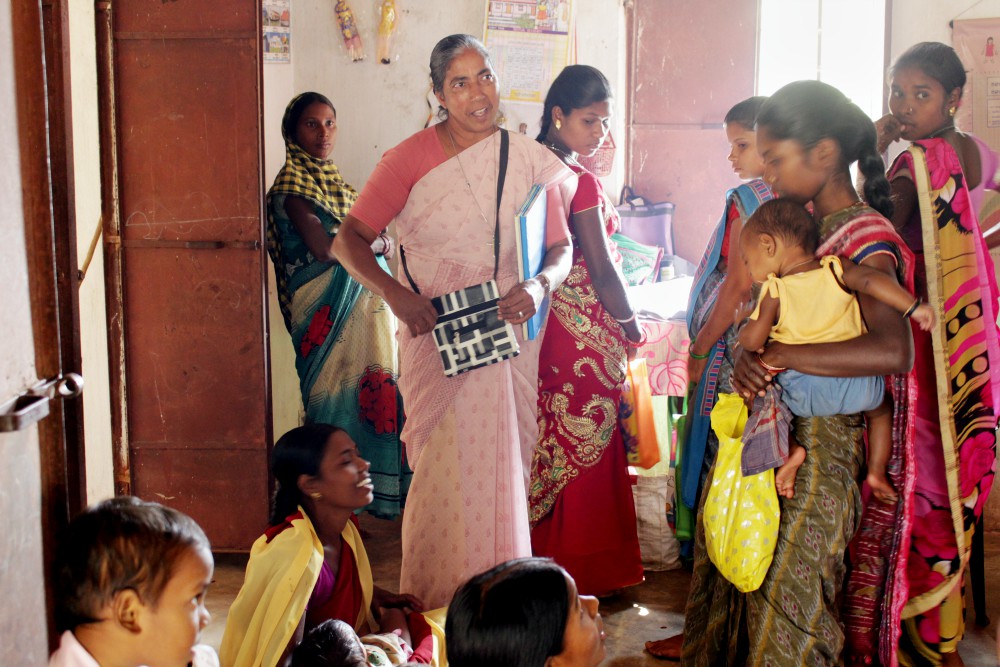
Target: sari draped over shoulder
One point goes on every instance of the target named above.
(957, 400)
(468, 438)
(343, 335)
(793, 618)
(284, 566)
(580, 498)
(697, 452)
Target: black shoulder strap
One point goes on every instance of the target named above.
(501, 176)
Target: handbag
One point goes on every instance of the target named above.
(649, 223)
(741, 513)
(635, 417)
(469, 332)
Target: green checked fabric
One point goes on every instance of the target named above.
(317, 181)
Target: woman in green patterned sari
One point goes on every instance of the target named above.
(344, 336)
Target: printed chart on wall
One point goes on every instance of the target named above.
(276, 22)
(978, 45)
(530, 42)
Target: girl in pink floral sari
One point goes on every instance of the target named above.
(938, 184)
(468, 437)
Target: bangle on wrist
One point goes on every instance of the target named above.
(544, 280)
(699, 357)
(642, 338)
(627, 319)
(913, 307)
(768, 368)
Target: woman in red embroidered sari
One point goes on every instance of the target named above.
(580, 499)
(938, 185)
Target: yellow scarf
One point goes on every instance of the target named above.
(280, 577)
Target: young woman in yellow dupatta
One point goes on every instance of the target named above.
(310, 565)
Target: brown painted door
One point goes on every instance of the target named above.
(689, 62)
(33, 496)
(187, 93)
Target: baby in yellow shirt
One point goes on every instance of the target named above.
(805, 299)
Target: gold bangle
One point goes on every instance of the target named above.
(913, 307)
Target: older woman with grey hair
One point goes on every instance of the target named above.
(468, 437)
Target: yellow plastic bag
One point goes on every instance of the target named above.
(741, 513)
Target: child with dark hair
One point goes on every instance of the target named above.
(131, 578)
(524, 612)
(334, 643)
(808, 300)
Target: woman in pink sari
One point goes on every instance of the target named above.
(469, 437)
(938, 185)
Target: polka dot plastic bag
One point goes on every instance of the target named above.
(741, 514)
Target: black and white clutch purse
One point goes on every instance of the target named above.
(469, 332)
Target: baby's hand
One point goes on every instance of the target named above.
(924, 316)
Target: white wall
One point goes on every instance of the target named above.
(87, 183)
(380, 105)
(286, 399)
(927, 20)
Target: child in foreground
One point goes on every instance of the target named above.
(131, 578)
(808, 300)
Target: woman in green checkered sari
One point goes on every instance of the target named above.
(344, 336)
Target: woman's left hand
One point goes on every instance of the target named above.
(383, 598)
(522, 301)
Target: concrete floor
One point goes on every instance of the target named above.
(652, 610)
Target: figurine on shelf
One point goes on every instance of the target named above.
(386, 31)
(349, 30)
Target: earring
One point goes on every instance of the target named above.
(558, 124)
(315, 495)
(952, 111)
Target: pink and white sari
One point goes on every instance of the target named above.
(468, 438)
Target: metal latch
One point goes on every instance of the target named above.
(33, 405)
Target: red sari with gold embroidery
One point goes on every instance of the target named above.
(581, 508)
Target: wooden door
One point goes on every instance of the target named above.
(33, 497)
(689, 62)
(187, 233)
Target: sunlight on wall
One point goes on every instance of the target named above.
(841, 43)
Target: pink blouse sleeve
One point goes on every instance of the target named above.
(554, 173)
(387, 189)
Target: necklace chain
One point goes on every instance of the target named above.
(940, 131)
(454, 147)
(797, 265)
(569, 156)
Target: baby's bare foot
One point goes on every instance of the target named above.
(784, 477)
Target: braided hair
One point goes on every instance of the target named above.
(810, 111)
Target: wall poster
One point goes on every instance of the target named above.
(276, 23)
(977, 42)
(530, 41)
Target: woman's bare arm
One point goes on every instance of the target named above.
(352, 246)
